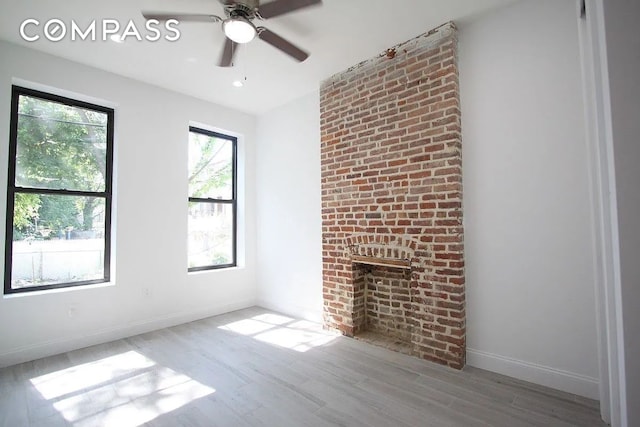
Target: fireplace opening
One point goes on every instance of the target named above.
(387, 318)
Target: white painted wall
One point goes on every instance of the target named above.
(289, 207)
(623, 136)
(528, 224)
(150, 216)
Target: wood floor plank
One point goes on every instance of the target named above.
(424, 397)
(255, 367)
(438, 408)
(559, 409)
(524, 388)
(349, 406)
(13, 406)
(211, 412)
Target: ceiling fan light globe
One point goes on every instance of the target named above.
(239, 30)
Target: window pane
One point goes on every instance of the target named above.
(210, 167)
(57, 239)
(210, 234)
(60, 146)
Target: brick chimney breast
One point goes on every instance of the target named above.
(391, 153)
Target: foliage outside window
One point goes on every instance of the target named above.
(59, 192)
(212, 200)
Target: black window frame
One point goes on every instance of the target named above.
(13, 189)
(233, 201)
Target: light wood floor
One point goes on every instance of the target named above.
(257, 368)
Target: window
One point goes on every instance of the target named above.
(212, 200)
(58, 193)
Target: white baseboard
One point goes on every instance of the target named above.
(313, 314)
(550, 377)
(52, 347)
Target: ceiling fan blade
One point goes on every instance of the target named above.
(280, 7)
(230, 48)
(284, 45)
(186, 17)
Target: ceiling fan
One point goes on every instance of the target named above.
(238, 25)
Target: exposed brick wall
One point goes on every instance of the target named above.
(392, 188)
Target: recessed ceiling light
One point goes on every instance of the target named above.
(237, 83)
(116, 38)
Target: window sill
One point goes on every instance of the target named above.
(214, 270)
(58, 290)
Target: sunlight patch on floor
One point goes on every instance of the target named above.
(282, 331)
(76, 378)
(128, 389)
(273, 319)
(247, 327)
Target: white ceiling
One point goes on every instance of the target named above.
(338, 34)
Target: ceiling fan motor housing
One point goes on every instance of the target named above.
(243, 8)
